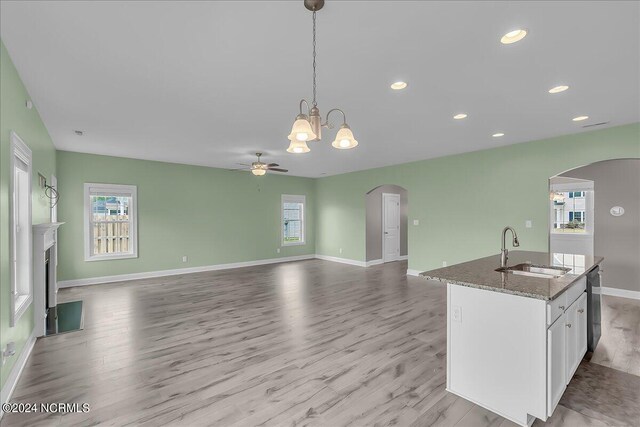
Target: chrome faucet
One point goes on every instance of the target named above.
(504, 252)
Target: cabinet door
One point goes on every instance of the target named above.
(556, 362)
(581, 327)
(572, 331)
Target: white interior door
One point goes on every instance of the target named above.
(390, 227)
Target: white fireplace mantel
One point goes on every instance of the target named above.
(44, 238)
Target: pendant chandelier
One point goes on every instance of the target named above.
(308, 127)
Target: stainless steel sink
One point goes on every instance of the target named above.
(541, 271)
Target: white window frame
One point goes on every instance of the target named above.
(589, 211)
(19, 301)
(290, 198)
(130, 190)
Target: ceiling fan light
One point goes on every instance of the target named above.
(258, 171)
(344, 139)
(298, 147)
(301, 130)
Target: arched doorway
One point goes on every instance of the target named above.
(611, 221)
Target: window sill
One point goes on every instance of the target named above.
(22, 303)
(573, 234)
(293, 243)
(110, 257)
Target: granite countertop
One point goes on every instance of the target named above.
(480, 273)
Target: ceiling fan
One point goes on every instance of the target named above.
(259, 168)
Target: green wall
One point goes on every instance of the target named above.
(14, 116)
(213, 216)
(464, 201)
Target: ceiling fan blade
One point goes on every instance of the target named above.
(273, 165)
(278, 170)
(242, 164)
(240, 169)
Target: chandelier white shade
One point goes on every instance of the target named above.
(344, 138)
(298, 147)
(258, 172)
(301, 129)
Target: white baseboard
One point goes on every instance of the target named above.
(615, 292)
(342, 260)
(411, 272)
(18, 367)
(177, 271)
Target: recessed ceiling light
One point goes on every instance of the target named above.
(558, 89)
(513, 36)
(398, 85)
(498, 135)
(460, 116)
(580, 118)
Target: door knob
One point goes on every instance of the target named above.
(581, 310)
(386, 232)
(568, 325)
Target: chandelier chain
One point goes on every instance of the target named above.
(314, 59)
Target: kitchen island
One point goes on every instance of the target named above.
(515, 337)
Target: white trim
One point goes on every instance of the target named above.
(16, 372)
(572, 186)
(342, 260)
(290, 198)
(403, 257)
(177, 271)
(373, 262)
(411, 272)
(131, 190)
(624, 293)
(18, 148)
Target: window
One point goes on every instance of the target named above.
(21, 246)
(293, 218)
(570, 211)
(110, 222)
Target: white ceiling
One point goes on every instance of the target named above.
(209, 83)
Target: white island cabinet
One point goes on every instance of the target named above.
(515, 340)
(514, 354)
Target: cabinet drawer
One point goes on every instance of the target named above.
(560, 304)
(556, 307)
(576, 290)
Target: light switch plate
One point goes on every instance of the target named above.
(528, 223)
(416, 222)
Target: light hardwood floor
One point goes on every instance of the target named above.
(302, 343)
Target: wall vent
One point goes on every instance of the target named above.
(595, 124)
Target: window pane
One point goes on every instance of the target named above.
(110, 224)
(292, 213)
(568, 212)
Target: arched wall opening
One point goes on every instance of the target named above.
(614, 227)
(375, 218)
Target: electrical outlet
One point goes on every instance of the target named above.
(444, 263)
(456, 313)
(528, 223)
(416, 222)
(184, 258)
(278, 250)
(340, 250)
